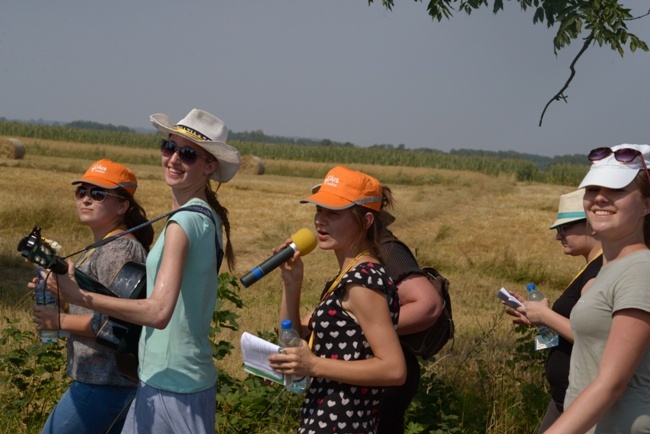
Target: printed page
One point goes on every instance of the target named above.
(255, 352)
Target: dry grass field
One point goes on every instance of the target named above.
(481, 232)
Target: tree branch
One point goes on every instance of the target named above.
(640, 16)
(560, 95)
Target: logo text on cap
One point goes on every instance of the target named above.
(98, 168)
(331, 181)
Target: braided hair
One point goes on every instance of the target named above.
(222, 212)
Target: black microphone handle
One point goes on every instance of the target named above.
(269, 265)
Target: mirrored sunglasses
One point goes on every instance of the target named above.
(97, 194)
(186, 154)
(623, 155)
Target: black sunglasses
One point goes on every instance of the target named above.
(97, 194)
(186, 154)
(623, 155)
(561, 230)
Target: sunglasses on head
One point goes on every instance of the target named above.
(186, 154)
(97, 194)
(623, 155)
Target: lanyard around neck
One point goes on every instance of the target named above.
(335, 283)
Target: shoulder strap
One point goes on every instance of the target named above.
(195, 208)
(394, 239)
(206, 212)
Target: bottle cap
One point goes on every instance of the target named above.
(530, 287)
(286, 324)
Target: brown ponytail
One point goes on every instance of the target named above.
(373, 235)
(134, 216)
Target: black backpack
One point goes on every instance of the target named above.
(429, 342)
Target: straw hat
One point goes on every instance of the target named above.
(570, 209)
(207, 131)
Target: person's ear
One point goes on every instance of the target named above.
(368, 220)
(123, 207)
(211, 167)
(646, 208)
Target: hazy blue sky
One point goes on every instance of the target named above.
(336, 69)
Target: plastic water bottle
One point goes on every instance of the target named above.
(289, 337)
(44, 297)
(548, 337)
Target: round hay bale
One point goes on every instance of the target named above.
(12, 149)
(252, 165)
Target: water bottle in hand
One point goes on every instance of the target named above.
(289, 337)
(547, 337)
(44, 297)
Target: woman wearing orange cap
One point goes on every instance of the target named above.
(105, 204)
(177, 389)
(356, 351)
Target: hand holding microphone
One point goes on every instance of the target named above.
(303, 241)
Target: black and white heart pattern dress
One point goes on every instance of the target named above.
(330, 406)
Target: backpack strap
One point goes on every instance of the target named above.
(398, 259)
(206, 212)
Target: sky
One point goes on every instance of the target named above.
(341, 70)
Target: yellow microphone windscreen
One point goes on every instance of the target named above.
(305, 241)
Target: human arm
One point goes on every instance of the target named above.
(154, 311)
(421, 304)
(627, 342)
(386, 368)
(47, 318)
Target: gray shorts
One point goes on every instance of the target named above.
(161, 412)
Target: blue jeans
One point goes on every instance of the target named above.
(90, 409)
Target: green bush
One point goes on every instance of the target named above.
(33, 378)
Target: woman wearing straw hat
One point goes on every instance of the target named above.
(177, 389)
(577, 239)
(105, 204)
(356, 351)
(609, 377)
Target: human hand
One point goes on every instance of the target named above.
(296, 361)
(520, 318)
(46, 318)
(66, 285)
(535, 311)
(291, 271)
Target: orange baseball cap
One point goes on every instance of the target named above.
(344, 188)
(108, 174)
